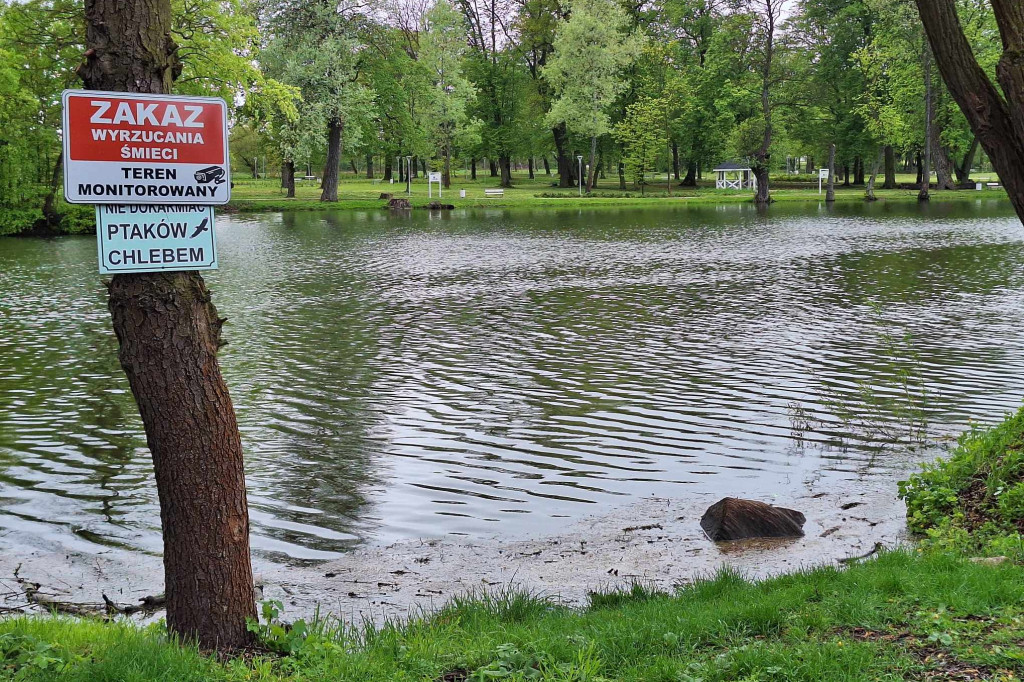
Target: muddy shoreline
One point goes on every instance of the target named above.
(656, 541)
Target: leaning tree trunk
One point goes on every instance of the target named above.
(288, 177)
(329, 186)
(890, 168)
(830, 192)
(169, 333)
(998, 122)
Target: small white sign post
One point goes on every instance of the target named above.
(822, 175)
(431, 179)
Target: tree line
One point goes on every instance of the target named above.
(389, 87)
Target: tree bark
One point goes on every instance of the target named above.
(389, 170)
(288, 178)
(329, 186)
(566, 170)
(493, 167)
(593, 166)
(622, 176)
(369, 166)
(691, 175)
(675, 160)
(890, 168)
(940, 155)
(963, 169)
(505, 165)
(530, 166)
(998, 122)
(472, 169)
(547, 166)
(830, 192)
(169, 332)
(926, 167)
(869, 193)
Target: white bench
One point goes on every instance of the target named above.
(494, 193)
(993, 185)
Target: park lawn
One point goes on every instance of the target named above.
(904, 615)
(358, 193)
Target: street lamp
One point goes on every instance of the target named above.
(579, 160)
(408, 175)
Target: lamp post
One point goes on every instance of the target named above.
(408, 175)
(579, 161)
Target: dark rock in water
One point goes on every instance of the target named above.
(399, 203)
(734, 519)
(386, 195)
(438, 206)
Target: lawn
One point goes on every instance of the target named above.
(904, 615)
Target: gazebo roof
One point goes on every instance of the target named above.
(731, 166)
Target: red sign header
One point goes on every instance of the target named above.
(139, 148)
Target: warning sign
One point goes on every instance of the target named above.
(155, 238)
(127, 148)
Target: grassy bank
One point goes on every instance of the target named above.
(901, 616)
(357, 193)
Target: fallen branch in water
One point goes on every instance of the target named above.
(149, 604)
(874, 550)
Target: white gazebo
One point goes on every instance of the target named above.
(732, 175)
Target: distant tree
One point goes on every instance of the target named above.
(768, 20)
(442, 47)
(591, 50)
(643, 137)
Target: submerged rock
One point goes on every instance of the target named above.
(438, 206)
(732, 518)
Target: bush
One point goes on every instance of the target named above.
(974, 499)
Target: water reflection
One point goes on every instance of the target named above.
(493, 372)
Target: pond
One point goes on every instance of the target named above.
(497, 373)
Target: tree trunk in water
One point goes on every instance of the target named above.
(288, 177)
(675, 160)
(869, 194)
(566, 170)
(763, 197)
(329, 185)
(926, 168)
(998, 122)
(169, 332)
(890, 167)
(369, 166)
(505, 164)
(919, 163)
(593, 166)
(830, 193)
(691, 175)
(963, 170)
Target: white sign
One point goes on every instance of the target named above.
(822, 175)
(129, 148)
(432, 178)
(155, 238)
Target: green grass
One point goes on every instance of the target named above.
(357, 193)
(974, 499)
(904, 615)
